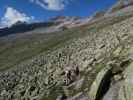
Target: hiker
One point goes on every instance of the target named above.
(68, 76)
(71, 75)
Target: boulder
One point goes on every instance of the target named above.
(102, 77)
(126, 90)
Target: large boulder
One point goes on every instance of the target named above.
(126, 90)
(102, 78)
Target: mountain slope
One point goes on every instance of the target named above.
(21, 27)
(71, 64)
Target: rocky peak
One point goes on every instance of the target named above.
(19, 23)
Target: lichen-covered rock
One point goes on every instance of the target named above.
(126, 90)
(99, 82)
(112, 93)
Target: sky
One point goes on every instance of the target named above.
(12, 11)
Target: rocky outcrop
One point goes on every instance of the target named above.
(126, 89)
(101, 85)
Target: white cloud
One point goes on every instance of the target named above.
(11, 16)
(55, 5)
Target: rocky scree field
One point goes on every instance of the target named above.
(90, 62)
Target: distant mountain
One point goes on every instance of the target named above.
(99, 14)
(59, 22)
(61, 19)
(20, 27)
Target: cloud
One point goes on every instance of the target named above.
(11, 16)
(55, 5)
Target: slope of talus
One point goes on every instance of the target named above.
(37, 65)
